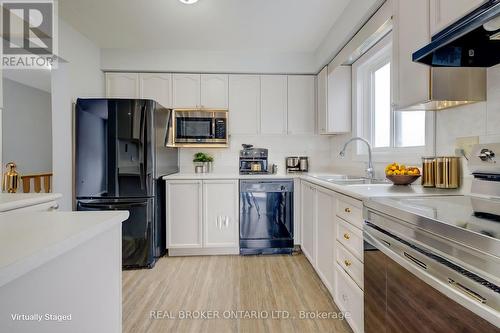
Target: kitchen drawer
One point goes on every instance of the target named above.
(350, 210)
(349, 298)
(351, 237)
(350, 264)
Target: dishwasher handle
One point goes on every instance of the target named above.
(284, 186)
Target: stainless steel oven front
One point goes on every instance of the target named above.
(417, 281)
(199, 127)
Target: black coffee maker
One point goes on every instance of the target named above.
(253, 160)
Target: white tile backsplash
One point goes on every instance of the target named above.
(317, 147)
(462, 121)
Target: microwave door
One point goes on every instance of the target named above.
(193, 129)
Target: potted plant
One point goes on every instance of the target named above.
(203, 161)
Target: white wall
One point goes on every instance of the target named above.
(207, 61)
(27, 127)
(80, 76)
(318, 148)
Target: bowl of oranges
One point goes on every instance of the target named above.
(400, 174)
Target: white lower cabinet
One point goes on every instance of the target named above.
(325, 218)
(318, 237)
(348, 286)
(308, 209)
(202, 217)
(349, 299)
(351, 265)
(184, 214)
(220, 213)
(332, 241)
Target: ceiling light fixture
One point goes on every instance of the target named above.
(188, 2)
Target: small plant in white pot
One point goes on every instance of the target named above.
(203, 162)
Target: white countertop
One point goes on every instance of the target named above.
(360, 192)
(30, 239)
(9, 201)
(363, 192)
(229, 175)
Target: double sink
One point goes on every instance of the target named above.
(350, 180)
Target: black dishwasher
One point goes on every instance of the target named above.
(266, 216)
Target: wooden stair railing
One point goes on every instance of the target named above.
(37, 182)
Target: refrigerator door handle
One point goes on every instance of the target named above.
(142, 155)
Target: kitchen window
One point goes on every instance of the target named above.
(393, 135)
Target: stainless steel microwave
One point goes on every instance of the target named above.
(198, 128)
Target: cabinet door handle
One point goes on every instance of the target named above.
(226, 221)
(347, 210)
(347, 236)
(219, 223)
(347, 263)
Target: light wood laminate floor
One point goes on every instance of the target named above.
(228, 283)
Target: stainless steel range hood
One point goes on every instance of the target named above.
(452, 86)
(472, 41)
(459, 56)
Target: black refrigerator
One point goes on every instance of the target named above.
(120, 158)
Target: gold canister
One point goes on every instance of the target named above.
(428, 171)
(447, 172)
(11, 178)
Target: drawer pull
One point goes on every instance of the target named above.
(347, 210)
(347, 236)
(467, 291)
(347, 263)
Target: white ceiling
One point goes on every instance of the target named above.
(218, 25)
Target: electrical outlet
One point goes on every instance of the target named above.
(466, 144)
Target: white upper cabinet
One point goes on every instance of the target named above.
(301, 104)
(446, 12)
(158, 87)
(244, 104)
(411, 80)
(338, 118)
(186, 90)
(322, 95)
(220, 213)
(214, 91)
(273, 115)
(122, 85)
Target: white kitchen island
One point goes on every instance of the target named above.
(61, 271)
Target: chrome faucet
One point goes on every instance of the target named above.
(370, 171)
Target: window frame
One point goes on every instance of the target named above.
(363, 70)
